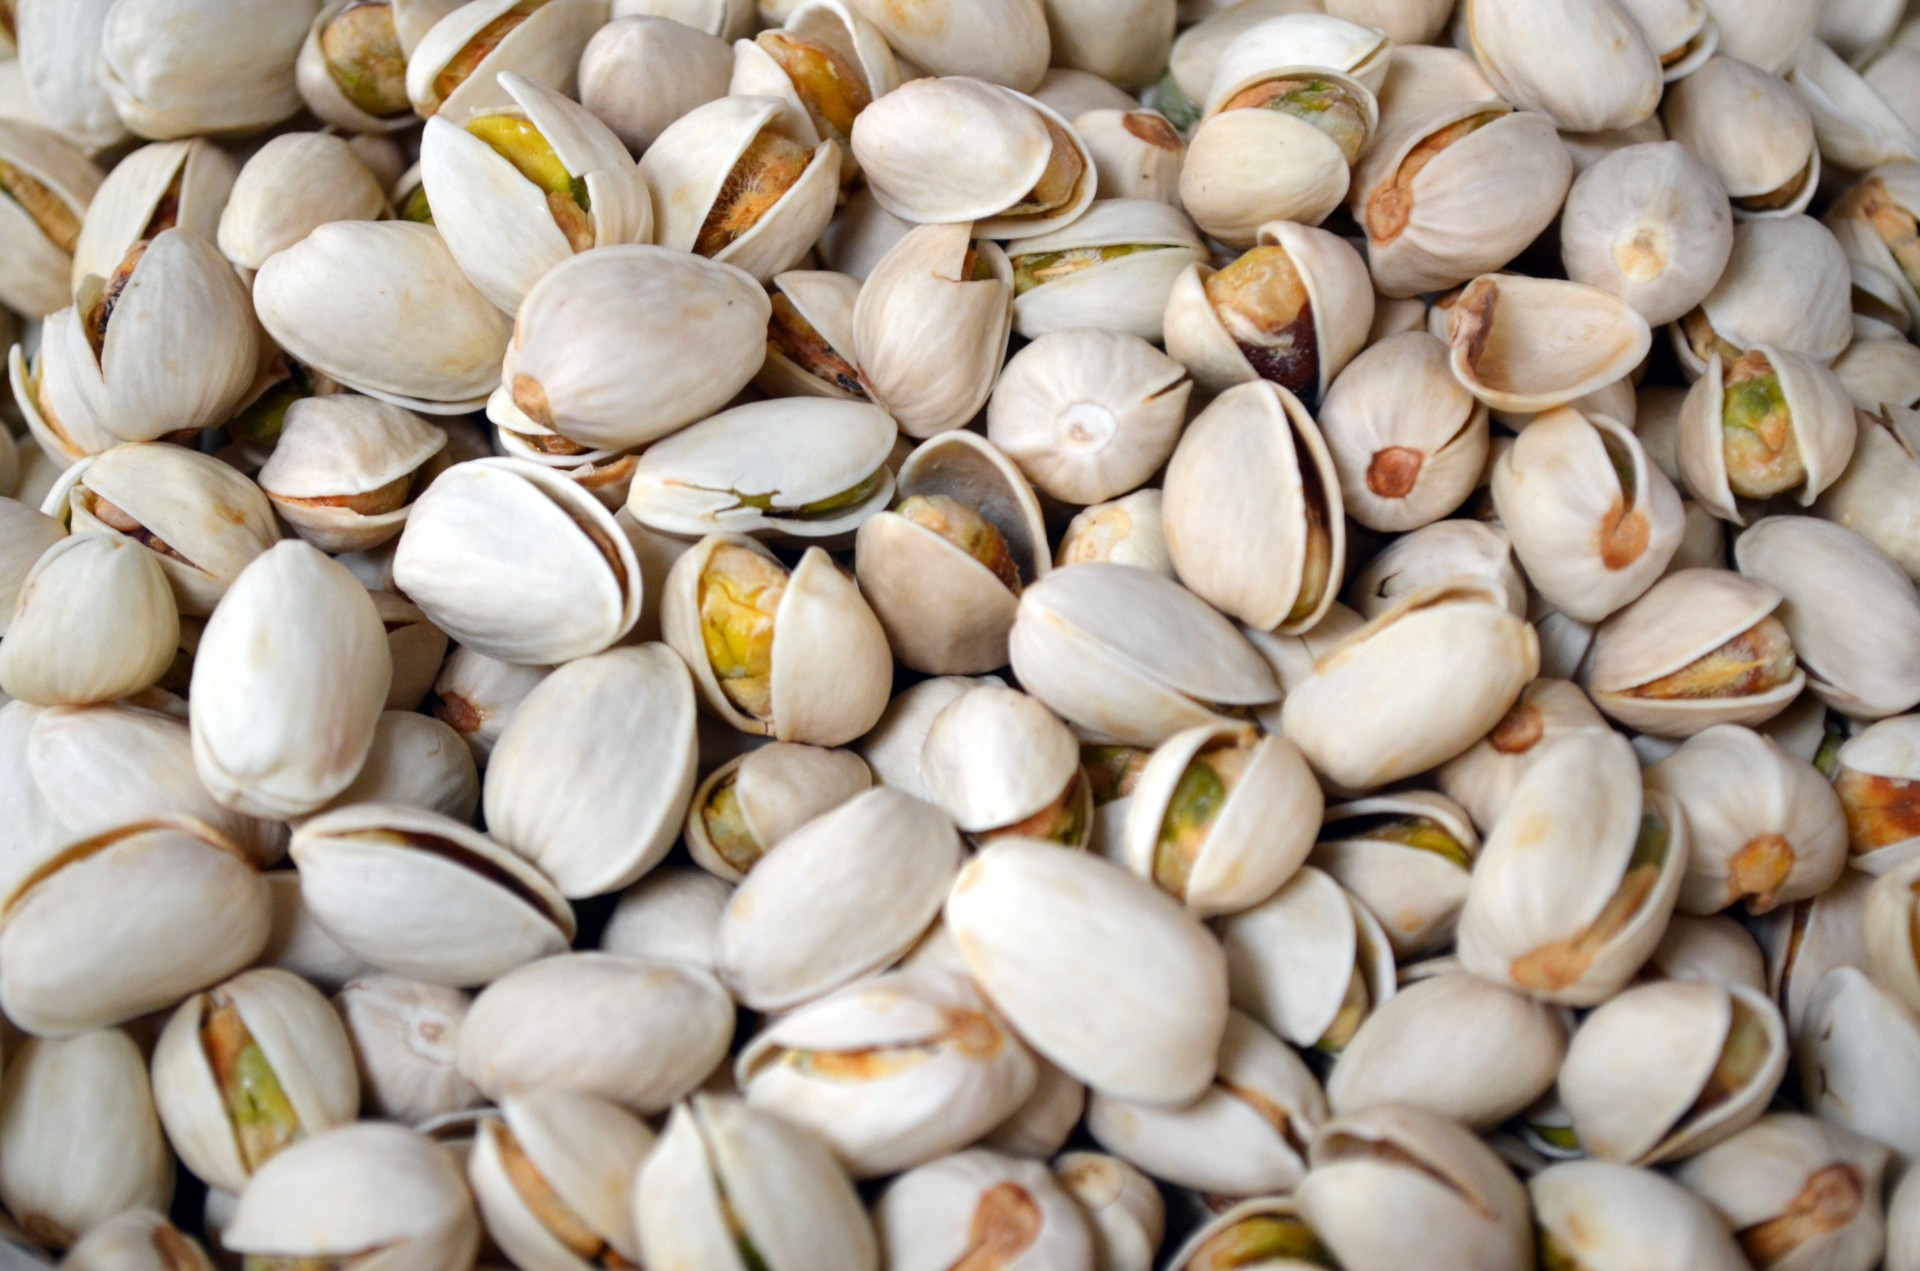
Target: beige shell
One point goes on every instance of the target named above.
(680, 66)
(403, 1034)
(321, 89)
(723, 19)
(1714, 950)
(137, 1240)
(1531, 343)
(93, 622)
(34, 278)
(1128, 1215)
(1823, 430)
(1855, 125)
(1126, 45)
(1650, 224)
(584, 1153)
(1787, 284)
(777, 788)
(1003, 41)
(1128, 531)
(1855, 1034)
(157, 59)
(63, 425)
(1137, 154)
(58, 43)
(543, 46)
(1483, 778)
(1073, 93)
(1752, 131)
(994, 757)
(824, 301)
(291, 185)
(1620, 1216)
(1869, 498)
(1682, 33)
(1415, 893)
(1604, 74)
(893, 746)
(133, 201)
(1309, 962)
(943, 610)
(333, 449)
(860, 233)
(1128, 293)
(1282, 43)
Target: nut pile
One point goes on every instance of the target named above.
(960, 635)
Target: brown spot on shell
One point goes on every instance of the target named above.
(1394, 471)
(1519, 732)
(1757, 871)
(531, 397)
(1151, 128)
(1622, 536)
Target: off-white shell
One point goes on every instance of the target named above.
(1291, 959)
(1621, 1217)
(403, 1033)
(1855, 125)
(293, 184)
(1414, 894)
(33, 277)
(1650, 224)
(122, 211)
(1787, 283)
(995, 756)
(824, 300)
(1137, 154)
(1756, 1176)
(1128, 531)
(544, 48)
(322, 93)
(136, 1240)
(93, 622)
(1528, 344)
(345, 444)
(640, 73)
(1004, 41)
(1247, 168)
(1750, 129)
(1823, 430)
(1125, 294)
(1855, 1035)
(778, 788)
(1601, 73)
(893, 746)
(927, 1218)
(1128, 1216)
(159, 61)
(1483, 778)
(1279, 44)
(58, 40)
(586, 1150)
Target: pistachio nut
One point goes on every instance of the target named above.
(1767, 423)
(1088, 414)
(477, 696)
(1603, 1216)
(1310, 962)
(455, 66)
(1713, 950)
(1798, 1192)
(57, 44)
(826, 62)
(1869, 496)
(1003, 766)
(1112, 268)
(1128, 531)
(1483, 778)
(553, 1176)
(293, 184)
(1787, 284)
(893, 747)
(352, 67)
(892, 1072)
(1856, 1037)
(162, 186)
(746, 806)
(1650, 223)
(1266, 1232)
(403, 1034)
(1137, 154)
(1437, 553)
(547, 1025)
(1750, 128)
(1804, 943)
(157, 59)
(1682, 33)
(297, 942)
(641, 72)
(137, 1240)
(1040, 931)
(976, 1207)
(1406, 857)
(1610, 77)
(1041, 1125)
(1876, 773)
(93, 621)
(48, 185)
(347, 469)
(1857, 128)
(810, 337)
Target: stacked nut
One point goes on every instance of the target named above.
(976, 635)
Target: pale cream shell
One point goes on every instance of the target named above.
(1291, 958)
(778, 787)
(1415, 895)
(544, 48)
(587, 1150)
(995, 756)
(33, 277)
(1750, 129)
(1528, 344)
(344, 444)
(291, 185)
(322, 93)
(1126, 294)
(1650, 224)
(1603, 74)
(1823, 430)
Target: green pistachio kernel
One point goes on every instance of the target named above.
(1037, 269)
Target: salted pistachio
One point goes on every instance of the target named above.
(553, 1176)
(810, 337)
(418, 894)
(798, 468)
(390, 1197)
(1113, 268)
(1798, 1192)
(1246, 1135)
(93, 621)
(403, 1033)
(962, 149)
(930, 326)
(715, 1192)
(1649, 223)
(1088, 414)
(1003, 766)
(346, 469)
(81, 1140)
(1265, 1234)
(827, 61)
(1611, 78)
(1137, 154)
(1437, 553)
(454, 67)
(545, 1026)
(892, 747)
(166, 185)
(203, 914)
(247, 1068)
(1764, 827)
(1127, 1213)
(477, 695)
(1853, 614)
(139, 1239)
(1768, 423)
(1602, 864)
(155, 60)
(1127, 531)
(1869, 496)
(352, 68)
(1073, 92)
(293, 184)
(746, 806)
(978, 1207)
(1751, 129)
(1700, 647)
(1855, 1036)
(966, 537)
(796, 654)
(1406, 857)
(1293, 310)
(523, 186)
(1876, 775)
(1603, 1216)
(891, 1072)
(1715, 950)
(1787, 284)
(1512, 340)
(681, 66)
(46, 185)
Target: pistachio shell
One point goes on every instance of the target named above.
(995, 757)
(776, 788)
(156, 60)
(928, 1219)
(1650, 224)
(1127, 293)
(1302, 175)
(1618, 1216)
(1752, 131)
(58, 42)
(584, 1151)
(133, 201)
(1823, 430)
(1762, 1178)
(33, 279)
(1137, 154)
(639, 73)
(1855, 1035)
(293, 184)
(1786, 284)
(1530, 344)
(1483, 778)
(93, 621)
(1606, 77)
(1414, 892)
(543, 47)
(334, 448)
(403, 1033)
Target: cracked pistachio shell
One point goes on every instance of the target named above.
(671, 915)
(193, 911)
(1246, 1135)
(103, 767)
(939, 151)
(323, 88)
(1294, 959)
(1437, 553)
(1714, 950)
(1137, 154)
(1764, 827)
(1253, 525)
(918, 578)
(1851, 1048)
(934, 1218)
(1893, 956)
(210, 519)
(583, 1153)
(1823, 429)
(1879, 309)
(639, 73)
(1381, 705)
(1611, 1217)
(1125, 292)
(1450, 1197)
(181, 350)
(1601, 75)
(1130, 656)
(1281, 44)
(39, 248)
(1856, 127)
(1593, 522)
(541, 44)
(726, 1179)
(315, 300)
(160, 62)
(1124, 1209)
(930, 334)
(842, 896)
(893, 747)
(79, 1136)
(93, 621)
(64, 426)
(1658, 1072)
(695, 161)
(1804, 943)
(571, 367)
(1482, 779)
(157, 187)
(136, 1240)
(790, 454)
(1047, 933)
(291, 675)
(1527, 344)
(834, 25)
(1750, 129)
(494, 541)
(891, 1072)
(1217, 1242)
(1890, 188)
(824, 301)
(829, 669)
(403, 1033)
(57, 42)
(295, 1036)
(1786, 284)
(419, 894)
(1853, 614)
(380, 1195)
(331, 473)
(1682, 620)
(1338, 309)
(1570, 842)
(25, 536)
(1001, 41)
(615, 732)
(1799, 1193)
(1414, 891)
(1682, 33)
(1088, 415)
(1256, 838)
(640, 1033)
(773, 790)
(1650, 224)
(419, 761)
(995, 757)
(293, 184)
(498, 223)
(1128, 531)
(477, 696)
(1407, 441)
(1125, 44)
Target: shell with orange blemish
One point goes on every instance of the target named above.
(1137, 154)
(1407, 857)
(1527, 344)
(981, 1204)
(1651, 224)
(1484, 777)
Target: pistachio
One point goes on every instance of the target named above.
(770, 166)
(829, 85)
(1390, 207)
(1262, 300)
(1763, 456)
(966, 529)
(1881, 811)
(740, 592)
(1261, 1240)
(362, 50)
(544, 1203)
(790, 335)
(464, 63)
(1555, 966)
(521, 143)
(1037, 269)
(55, 217)
(1197, 802)
(1757, 660)
(1330, 107)
(264, 1121)
(1113, 772)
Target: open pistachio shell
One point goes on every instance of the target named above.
(347, 468)
(1877, 775)
(1137, 154)
(455, 66)
(553, 1176)
(1608, 78)
(1407, 858)
(49, 184)
(1269, 1225)
(1751, 129)
(1787, 283)
(1737, 408)
(157, 187)
(294, 183)
(1483, 778)
(996, 759)
(810, 339)
(893, 747)
(1618, 1216)
(351, 70)
(1112, 268)
(1533, 343)
(64, 425)
(747, 805)
(137, 1240)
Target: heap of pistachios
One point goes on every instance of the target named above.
(960, 635)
